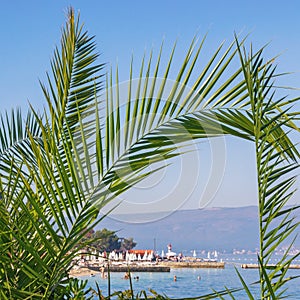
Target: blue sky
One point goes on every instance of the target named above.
(31, 29)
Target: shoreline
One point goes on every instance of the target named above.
(83, 271)
(194, 264)
(164, 266)
(256, 266)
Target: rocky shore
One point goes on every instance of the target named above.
(83, 271)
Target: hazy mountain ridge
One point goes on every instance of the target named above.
(210, 228)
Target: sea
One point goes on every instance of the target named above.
(194, 282)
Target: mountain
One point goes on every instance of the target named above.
(210, 228)
(222, 229)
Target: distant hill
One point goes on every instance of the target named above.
(222, 229)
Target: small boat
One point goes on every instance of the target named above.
(170, 254)
(194, 253)
(209, 258)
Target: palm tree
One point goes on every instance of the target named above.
(275, 177)
(61, 167)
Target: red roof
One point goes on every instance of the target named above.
(141, 252)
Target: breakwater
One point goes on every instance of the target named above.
(163, 266)
(133, 268)
(193, 264)
(255, 266)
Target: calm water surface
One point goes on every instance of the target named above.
(188, 284)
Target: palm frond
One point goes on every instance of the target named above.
(85, 151)
(75, 79)
(14, 132)
(276, 158)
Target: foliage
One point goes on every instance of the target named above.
(44, 210)
(107, 240)
(59, 169)
(127, 244)
(77, 290)
(275, 175)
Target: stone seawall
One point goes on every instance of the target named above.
(198, 264)
(255, 266)
(133, 268)
(164, 266)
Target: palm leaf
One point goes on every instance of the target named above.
(75, 76)
(276, 158)
(88, 152)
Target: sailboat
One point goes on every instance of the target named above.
(216, 254)
(194, 253)
(209, 257)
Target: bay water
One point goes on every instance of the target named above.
(194, 282)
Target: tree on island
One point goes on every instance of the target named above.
(107, 240)
(59, 169)
(127, 244)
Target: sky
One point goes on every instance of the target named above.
(31, 29)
